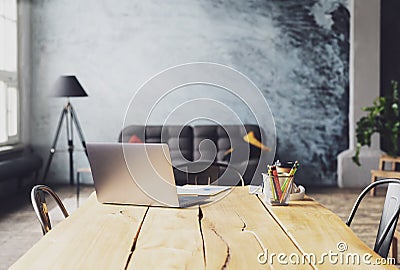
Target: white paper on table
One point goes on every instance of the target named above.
(255, 189)
(202, 190)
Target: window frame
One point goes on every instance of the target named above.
(11, 79)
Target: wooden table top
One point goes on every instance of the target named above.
(236, 232)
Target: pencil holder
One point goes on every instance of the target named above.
(276, 189)
(284, 166)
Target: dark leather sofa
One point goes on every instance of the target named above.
(19, 163)
(223, 144)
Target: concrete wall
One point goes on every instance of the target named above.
(364, 88)
(295, 52)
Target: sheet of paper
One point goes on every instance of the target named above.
(255, 189)
(202, 190)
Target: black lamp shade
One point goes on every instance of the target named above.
(68, 86)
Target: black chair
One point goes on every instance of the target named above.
(210, 173)
(40, 206)
(389, 217)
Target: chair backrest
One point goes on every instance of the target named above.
(389, 217)
(40, 206)
(210, 173)
(389, 212)
(388, 159)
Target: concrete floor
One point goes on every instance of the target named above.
(20, 229)
(19, 226)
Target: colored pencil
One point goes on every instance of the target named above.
(277, 184)
(291, 174)
(286, 184)
(272, 184)
(285, 191)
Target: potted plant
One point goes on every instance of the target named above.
(384, 118)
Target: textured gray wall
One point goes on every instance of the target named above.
(296, 53)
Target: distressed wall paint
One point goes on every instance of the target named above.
(295, 52)
(316, 33)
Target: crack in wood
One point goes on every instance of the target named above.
(200, 215)
(244, 222)
(125, 214)
(228, 250)
(135, 238)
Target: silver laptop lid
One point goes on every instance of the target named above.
(138, 174)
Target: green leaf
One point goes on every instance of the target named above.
(382, 117)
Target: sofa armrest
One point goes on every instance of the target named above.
(19, 163)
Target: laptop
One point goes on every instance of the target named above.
(137, 174)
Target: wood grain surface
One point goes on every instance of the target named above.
(96, 236)
(316, 230)
(236, 232)
(237, 229)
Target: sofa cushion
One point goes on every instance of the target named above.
(180, 142)
(228, 141)
(153, 134)
(230, 146)
(178, 138)
(129, 131)
(205, 140)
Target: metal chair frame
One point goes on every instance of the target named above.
(210, 164)
(40, 206)
(382, 243)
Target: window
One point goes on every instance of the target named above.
(9, 94)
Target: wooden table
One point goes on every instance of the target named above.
(237, 232)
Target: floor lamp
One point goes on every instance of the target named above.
(67, 86)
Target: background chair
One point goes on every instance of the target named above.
(210, 173)
(40, 206)
(383, 172)
(79, 171)
(389, 217)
